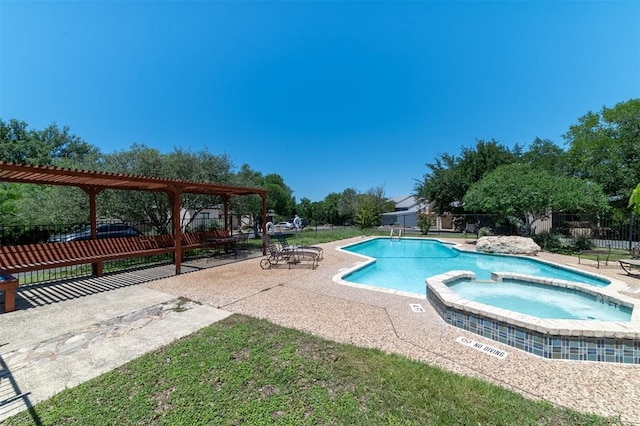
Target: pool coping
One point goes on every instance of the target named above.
(614, 284)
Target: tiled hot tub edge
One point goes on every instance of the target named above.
(554, 339)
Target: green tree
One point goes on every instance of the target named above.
(139, 206)
(155, 207)
(280, 198)
(451, 176)
(305, 208)
(250, 204)
(634, 200)
(366, 215)
(46, 205)
(544, 154)
(517, 190)
(424, 223)
(52, 146)
(348, 204)
(330, 212)
(9, 195)
(381, 203)
(605, 148)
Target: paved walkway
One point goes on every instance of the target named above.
(61, 344)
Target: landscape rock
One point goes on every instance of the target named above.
(508, 245)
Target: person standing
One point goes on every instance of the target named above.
(297, 223)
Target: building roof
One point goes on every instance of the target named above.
(405, 205)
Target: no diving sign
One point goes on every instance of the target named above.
(482, 347)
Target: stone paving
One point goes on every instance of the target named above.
(64, 343)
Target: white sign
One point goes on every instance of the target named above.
(498, 353)
(416, 307)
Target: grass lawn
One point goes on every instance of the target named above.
(248, 371)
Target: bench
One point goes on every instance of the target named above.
(597, 253)
(9, 285)
(35, 257)
(211, 240)
(629, 266)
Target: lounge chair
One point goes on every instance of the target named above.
(285, 245)
(471, 228)
(275, 255)
(288, 255)
(632, 266)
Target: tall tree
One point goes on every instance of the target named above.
(250, 204)
(348, 203)
(546, 155)
(155, 207)
(451, 176)
(605, 148)
(305, 208)
(330, 210)
(366, 215)
(280, 197)
(379, 200)
(52, 146)
(139, 206)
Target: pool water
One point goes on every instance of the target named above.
(541, 301)
(404, 264)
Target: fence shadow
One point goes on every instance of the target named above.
(12, 399)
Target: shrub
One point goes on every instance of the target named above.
(582, 242)
(485, 231)
(547, 240)
(424, 222)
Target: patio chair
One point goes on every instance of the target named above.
(288, 255)
(275, 255)
(285, 245)
(471, 228)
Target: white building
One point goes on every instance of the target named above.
(407, 209)
(405, 213)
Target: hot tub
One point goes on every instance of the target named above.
(554, 338)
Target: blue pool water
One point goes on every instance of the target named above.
(405, 264)
(541, 301)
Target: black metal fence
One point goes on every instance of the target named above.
(619, 231)
(34, 234)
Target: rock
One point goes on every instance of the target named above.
(510, 245)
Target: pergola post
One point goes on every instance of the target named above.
(264, 223)
(92, 192)
(228, 226)
(174, 195)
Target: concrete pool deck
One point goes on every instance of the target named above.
(84, 337)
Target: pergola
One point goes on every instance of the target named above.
(92, 183)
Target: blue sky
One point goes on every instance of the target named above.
(328, 94)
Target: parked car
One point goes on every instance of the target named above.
(284, 225)
(104, 230)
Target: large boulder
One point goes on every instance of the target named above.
(510, 245)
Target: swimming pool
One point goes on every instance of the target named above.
(403, 264)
